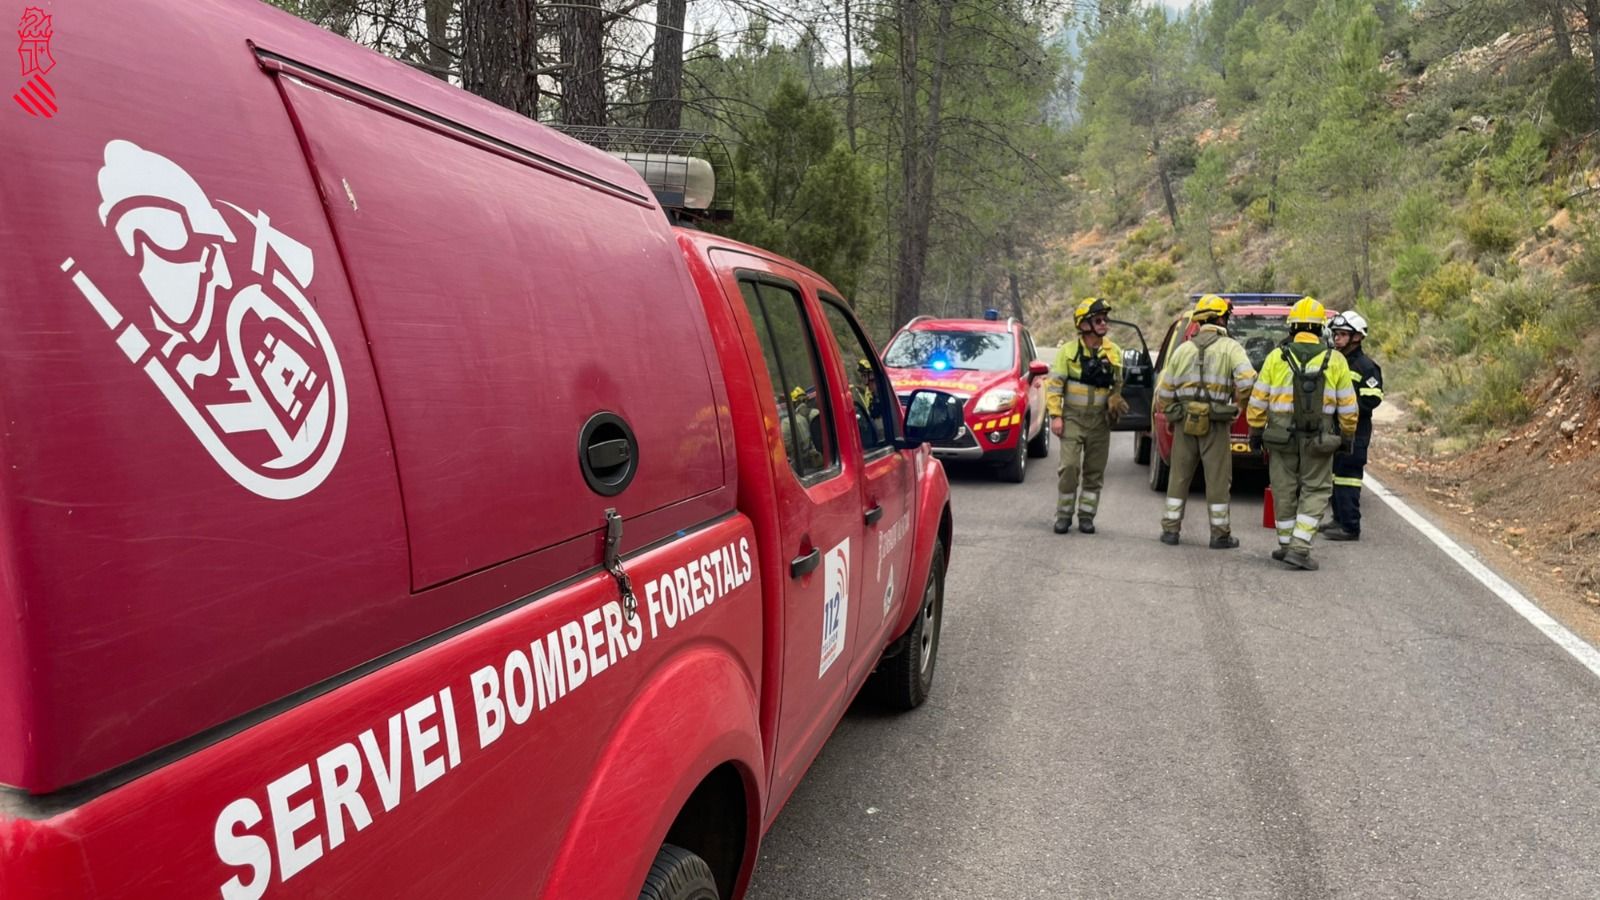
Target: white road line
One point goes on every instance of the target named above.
(1555, 631)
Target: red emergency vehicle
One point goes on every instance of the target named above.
(994, 366)
(392, 504)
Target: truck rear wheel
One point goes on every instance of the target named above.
(903, 681)
(678, 874)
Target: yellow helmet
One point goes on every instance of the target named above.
(1211, 307)
(798, 395)
(1307, 312)
(1090, 306)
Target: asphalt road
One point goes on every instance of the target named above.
(1115, 718)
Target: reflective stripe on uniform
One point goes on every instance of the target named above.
(1285, 530)
(1341, 481)
(1305, 527)
(1174, 511)
(1219, 515)
(1088, 502)
(1080, 395)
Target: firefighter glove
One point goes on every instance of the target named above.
(1116, 408)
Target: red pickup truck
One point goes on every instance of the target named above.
(393, 504)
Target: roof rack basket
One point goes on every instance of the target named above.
(673, 163)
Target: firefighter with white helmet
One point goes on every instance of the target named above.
(1084, 397)
(1302, 409)
(1349, 332)
(1202, 387)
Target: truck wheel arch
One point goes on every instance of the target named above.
(712, 806)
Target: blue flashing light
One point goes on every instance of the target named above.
(939, 364)
(992, 314)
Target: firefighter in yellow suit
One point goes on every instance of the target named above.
(1302, 410)
(1202, 387)
(1084, 396)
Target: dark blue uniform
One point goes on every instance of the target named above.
(1348, 468)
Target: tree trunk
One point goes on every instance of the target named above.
(440, 58)
(849, 83)
(908, 270)
(1211, 257)
(1591, 14)
(583, 86)
(1011, 279)
(499, 53)
(666, 67)
(1558, 27)
(1366, 258)
(919, 191)
(1166, 183)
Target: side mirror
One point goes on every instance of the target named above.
(931, 416)
(1038, 367)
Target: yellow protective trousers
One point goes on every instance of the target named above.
(1213, 452)
(1302, 482)
(1085, 447)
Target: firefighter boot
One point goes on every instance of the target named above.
(1281, 552)
(1063, 524)
(1300, 559)
(1170, 538)
(1224, 541)
(1337, 532)
(1088, 505)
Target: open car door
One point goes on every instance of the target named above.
(1139, 379)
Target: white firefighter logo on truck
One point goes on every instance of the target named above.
(226, 332)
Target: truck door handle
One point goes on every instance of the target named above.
(874, 514)
(803, 565)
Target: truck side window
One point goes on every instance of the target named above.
(870, 394)
(792, 360)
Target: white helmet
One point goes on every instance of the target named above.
(1349, 321)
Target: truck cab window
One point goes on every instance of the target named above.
(790, 351)
(870, 393)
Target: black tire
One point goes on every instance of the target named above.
(678, 874)
(1141, 447)
(902, 681)
(1159, 470)
(1039, 447)
(1016, 468)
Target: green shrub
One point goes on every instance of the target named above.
(1259, 213)
(1153, 272)
(1147, 234)
(1497, 398)
(1456, 153)
(1412, 266)
(1571, 97)
(1118, 285)
(1181, 154)
(1506, 307)
(1491, 227)
(1583, 270)
(1419, 213)
(1449, 286)
(1522, 161)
